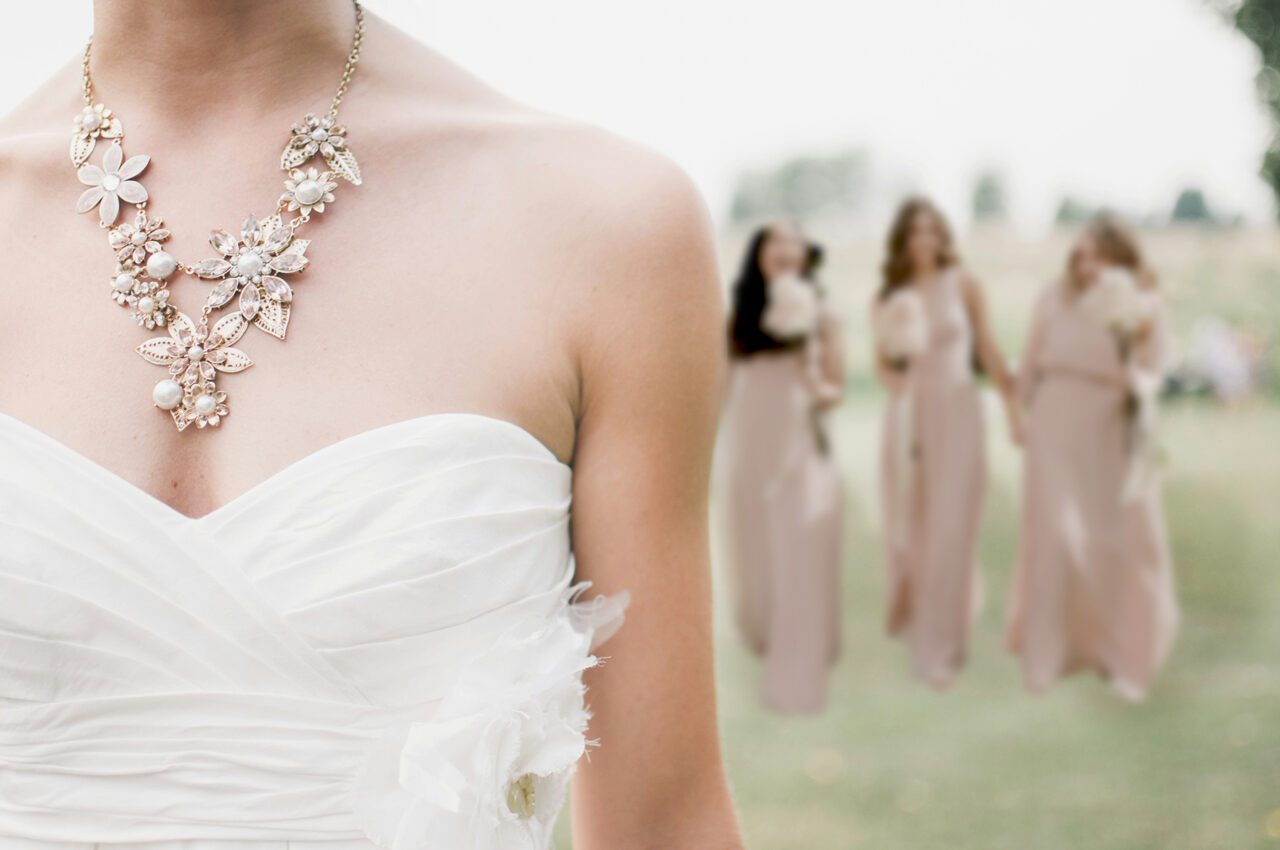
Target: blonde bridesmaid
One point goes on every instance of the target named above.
(784, 495)
(1094, 585)
(933, 458)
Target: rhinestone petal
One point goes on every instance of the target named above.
(249, 302)
(212, 268)
(277, 289)
(223, 242)
(289, 262)
(278, 240)
(251, 230)
(223, 292)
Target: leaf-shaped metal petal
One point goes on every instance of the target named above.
(182, 328)
(223, 242)
(179, 418)
(212, 268)
(343, 163)
(276, 288)
(222, 293)
(273, 317)
(81, 147)
(235, 360)
(292, 157)
(278, 240)
(233, 326)
(289, 262)
(157, 350)
(251, 230)
(250, 300)
(113, 129)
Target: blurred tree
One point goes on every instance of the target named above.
(989, 197)
(1192, 207)
(803, 186)
(1259, 21)
(1071, 211)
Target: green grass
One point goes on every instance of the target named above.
(986, 766)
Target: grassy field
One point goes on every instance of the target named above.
(986, 766)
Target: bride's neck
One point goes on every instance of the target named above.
(188, 55)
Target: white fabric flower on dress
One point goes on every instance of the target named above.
(111, 184)
(489, 770)
(791, 309)
(901, 326)
(1116, 302)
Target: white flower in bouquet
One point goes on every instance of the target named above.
(791, 308)
(902, 327)
(1117, 303)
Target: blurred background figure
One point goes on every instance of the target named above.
(931, 324)
(1094, 587)
(1220, 361)
(784, 496)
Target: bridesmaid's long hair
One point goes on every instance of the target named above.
(1118, 243)
(750, 296)
(897, 264)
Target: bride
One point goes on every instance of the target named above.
(322, 593)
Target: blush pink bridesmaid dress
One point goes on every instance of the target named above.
(933, 481)
(783, 524)
(1094, 585)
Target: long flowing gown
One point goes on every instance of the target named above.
(379, 648)
(933, 481)
(784, 525)
(1094, 584)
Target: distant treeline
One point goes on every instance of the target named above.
(811, 185)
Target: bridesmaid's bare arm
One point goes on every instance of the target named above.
(826, 375)
(989, 353)
(651, 363)
(893, 380)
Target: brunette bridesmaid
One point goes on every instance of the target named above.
(933, 458)
(784, 496)
(1094, 585)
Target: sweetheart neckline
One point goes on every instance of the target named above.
(289, 469)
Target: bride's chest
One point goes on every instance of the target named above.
(391, 313)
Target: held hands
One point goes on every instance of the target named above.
(1017, 427)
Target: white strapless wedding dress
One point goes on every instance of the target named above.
(378, 647)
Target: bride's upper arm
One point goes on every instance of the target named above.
(649, 337)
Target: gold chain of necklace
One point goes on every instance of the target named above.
(353, 57)
(248, 270)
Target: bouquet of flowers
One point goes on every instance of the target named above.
(791, 309)
(1117, 303)
(901, 327)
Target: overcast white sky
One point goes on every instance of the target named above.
(1120, 102)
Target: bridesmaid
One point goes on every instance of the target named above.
(1094, 585)
(933, 457)
(784, 495)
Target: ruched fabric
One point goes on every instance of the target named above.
(380, 646)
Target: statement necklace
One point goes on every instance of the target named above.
(247, 270)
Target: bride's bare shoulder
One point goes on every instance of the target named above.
(549, 174)
(35, 134)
